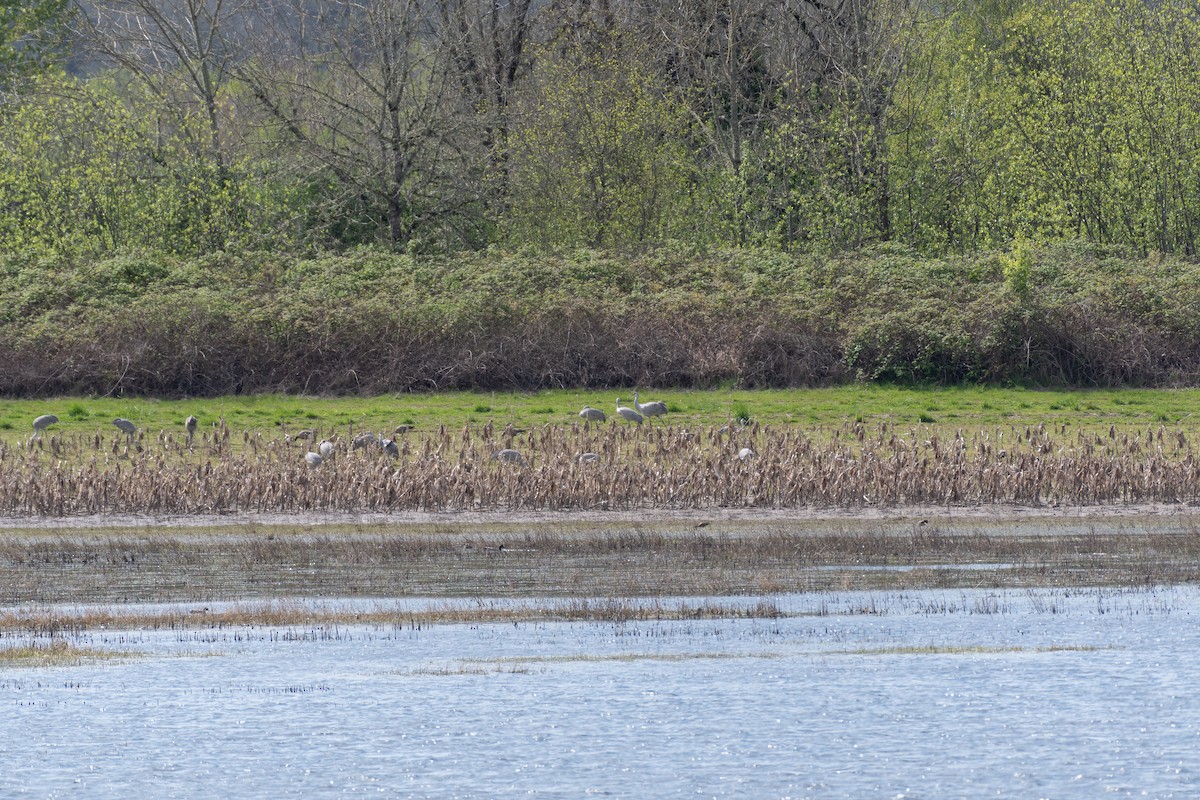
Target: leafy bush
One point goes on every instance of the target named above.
(371, 321)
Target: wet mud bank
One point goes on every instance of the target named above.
(627, 554)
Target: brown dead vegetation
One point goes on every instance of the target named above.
(637, 467)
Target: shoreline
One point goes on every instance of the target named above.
(650, 516)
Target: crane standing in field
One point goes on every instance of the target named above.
(127, 427)
(41, 423)
(592, 414)
(628, 413)
(655, 408)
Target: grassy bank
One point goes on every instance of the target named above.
(370, 322)
(966, 407)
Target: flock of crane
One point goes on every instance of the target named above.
(637, 415)
(125, 426)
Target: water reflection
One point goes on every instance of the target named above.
(941, 694)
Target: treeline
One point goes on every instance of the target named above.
(373, 322)
(198, 127)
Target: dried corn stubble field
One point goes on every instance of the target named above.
(632, 468)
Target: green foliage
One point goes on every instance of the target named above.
(598, 158)
(375, 321)
(1017, 266)
(31, 38)
(1074, 119)
(86, 171)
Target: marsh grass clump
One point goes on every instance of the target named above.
(46, 627)
(52, 653)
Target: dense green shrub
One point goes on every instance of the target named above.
(371, 321)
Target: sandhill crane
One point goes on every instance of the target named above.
(628, 413)
(510, 456)
(190, 424)
(390, 447)
(404, 428)
(326, 449)
(592, 414)
(41, 423)
(745, 453)
(587, 458)
(655, 408)
(127, 427)
(365, 439)
(314, 459)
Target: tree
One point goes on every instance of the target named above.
(362, 92)
(31, 37)
(70, 172)
(179, 50)
(180, 54)
(598, 157)
(792, 101)
(1071, 119)
(487, 42)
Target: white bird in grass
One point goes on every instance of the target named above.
(592, 414)
(41, 423)
(628, 413)
(314, 459)
(655, 408)
(510, 456)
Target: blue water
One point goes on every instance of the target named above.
(1076, 694)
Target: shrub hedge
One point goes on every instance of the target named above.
(371, 321)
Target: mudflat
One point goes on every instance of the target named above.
(705, 552)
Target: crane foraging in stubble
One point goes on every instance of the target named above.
(590, 414)
(126, 427)
(628, 413)
(41, 423)
(510, 456)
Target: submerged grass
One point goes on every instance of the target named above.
(568, 565)
(956, 650)
(59, 622)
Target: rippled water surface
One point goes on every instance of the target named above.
(929, 694)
